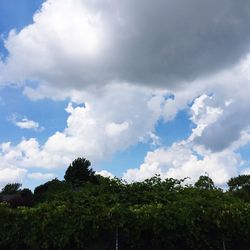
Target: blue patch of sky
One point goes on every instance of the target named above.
(15, 14)
(48, 113)
(245, 155)
(175, 130)
(245, 151)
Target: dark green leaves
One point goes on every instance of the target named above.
(79, 172)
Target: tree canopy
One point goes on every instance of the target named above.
(79, 171)
(204, 182)
(11, 188)
(79, 213)
(240, 186)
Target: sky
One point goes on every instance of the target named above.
(137, 87)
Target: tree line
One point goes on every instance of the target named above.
(88, 211)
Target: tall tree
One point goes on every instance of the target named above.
(79, 171)
(204, 182)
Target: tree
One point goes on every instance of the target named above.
(49, 190)
(14, 196)
(11, 188)
(237, 183)
(79, 171)
(27, 197)
(204, 182)
(240, 186)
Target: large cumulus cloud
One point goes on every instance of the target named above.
(230, 94)
(74, 44)
(198, 154)
(119, 118)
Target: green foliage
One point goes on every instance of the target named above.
(204, 182)
(11, 188)
(26, 192)
(79, 172)
(240, 187)
(14, 196)
(154, 214)
(191, 220)
(49, 190)
(237, 183)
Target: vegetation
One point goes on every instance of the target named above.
(79, 171)
(13, 188)
(88, 211)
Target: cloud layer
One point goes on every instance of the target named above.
(75, 44)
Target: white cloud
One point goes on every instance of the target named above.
(246, 171)
(29, 153)
(203, 115)
(112, 121)
(11, 175)
(105, 173)
(229, 107)
(220, 166)
(113, 129)
(188, 158)
(25, 123)
(182, 160)
(78, 44)
(41, 176)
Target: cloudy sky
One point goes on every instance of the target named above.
(137, 87)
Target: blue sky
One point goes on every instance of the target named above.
(137, 97)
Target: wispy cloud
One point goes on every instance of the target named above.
(25, 123)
